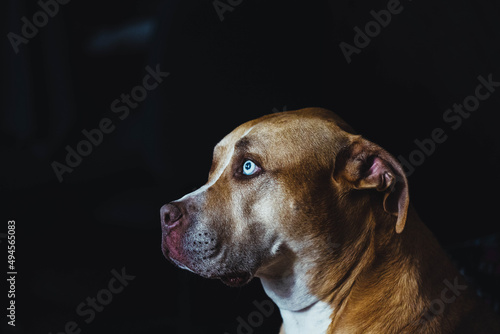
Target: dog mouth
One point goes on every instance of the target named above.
(205, 264)
(236, 279)
(232, 279)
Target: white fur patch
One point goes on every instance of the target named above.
(313, 320)
(219, 171)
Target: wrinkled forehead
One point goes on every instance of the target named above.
(284, 138)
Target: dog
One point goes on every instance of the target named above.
(322, 216)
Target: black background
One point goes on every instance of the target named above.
(264, 56)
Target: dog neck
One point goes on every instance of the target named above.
(285, 282)
(391, 273)
(301, 311)
(334, 293)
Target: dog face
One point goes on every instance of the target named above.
(270, 194)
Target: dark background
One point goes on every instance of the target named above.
(263, 57)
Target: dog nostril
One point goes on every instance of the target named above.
(169, 214)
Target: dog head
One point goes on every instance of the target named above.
(280, 187)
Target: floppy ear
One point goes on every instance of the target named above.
(365, 165)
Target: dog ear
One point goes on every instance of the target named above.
(365, 165)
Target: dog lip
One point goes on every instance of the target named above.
(171, 251)
(236, 279)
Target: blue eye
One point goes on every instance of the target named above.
(249, 167)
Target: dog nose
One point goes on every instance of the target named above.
(169, 214)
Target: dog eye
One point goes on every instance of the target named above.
(249, 167)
